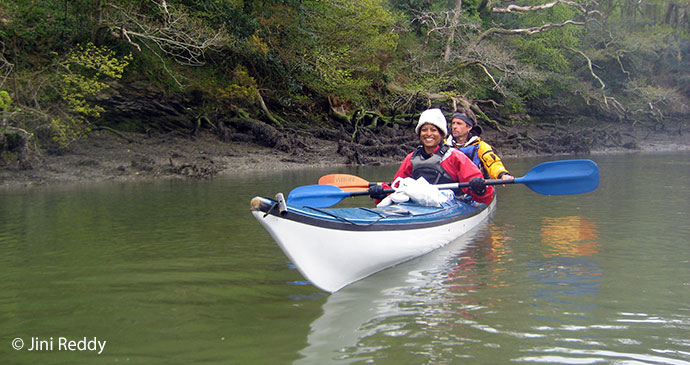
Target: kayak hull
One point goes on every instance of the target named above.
(335, 247)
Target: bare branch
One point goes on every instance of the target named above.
(532, 30)
(453, 25)
(123, 34)
(164, 7)
(431, 21)
(518, 8)
(444, 25)
(591, 71)
(620, 63)
(589, 65)
(490, 101)
(180, 36)
(490, 76)
(165, 66)
(616, 104)
(5, 66)
(17, 129)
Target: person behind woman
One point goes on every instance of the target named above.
(465, 134)
(437, 163)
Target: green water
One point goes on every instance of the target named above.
(180, 272)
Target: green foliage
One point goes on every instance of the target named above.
(7, 158)
(241, 18)
(296, 51)
(548, 50)
(242, 89)
(43, 27)
(346, 43)
(84, 74)
(12, 146)
(64, 131)
(471, 8)
(5, 101)
(429, 82)
(412, 5)
(538, 52)
(150, 68)
(655, 100)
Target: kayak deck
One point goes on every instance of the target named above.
(394, 217)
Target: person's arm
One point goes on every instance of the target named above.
(492, 163)
(462, 169)
(405, 170)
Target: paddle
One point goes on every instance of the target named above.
(549, 178)
(345, 182)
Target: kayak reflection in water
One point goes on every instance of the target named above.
(439, 164)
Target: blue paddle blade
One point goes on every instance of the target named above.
(317, 196)
(562, 177)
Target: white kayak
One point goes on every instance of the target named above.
(334, 247)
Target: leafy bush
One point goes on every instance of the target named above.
(5, 101)
(84, 74)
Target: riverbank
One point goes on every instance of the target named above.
(105, 156)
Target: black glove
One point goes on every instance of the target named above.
(478, 185)
(376, 192)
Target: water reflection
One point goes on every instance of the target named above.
(447, 305)
(354, 318)
(488, 253)
(570, 236)
(567, 270)
(566, 278)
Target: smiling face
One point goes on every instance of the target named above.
(460, 130)
(430, 137)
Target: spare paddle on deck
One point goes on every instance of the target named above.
(549, 178)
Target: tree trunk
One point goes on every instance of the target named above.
(97, 22)
(453, 26)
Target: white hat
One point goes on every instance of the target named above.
(435, 117)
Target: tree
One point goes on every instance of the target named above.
(346, 45)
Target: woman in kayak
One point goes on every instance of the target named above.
(437, 163)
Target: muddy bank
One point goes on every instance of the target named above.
(105, 156)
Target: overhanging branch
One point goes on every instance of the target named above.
(514, 8)
(533, 30)
(179, 36)
(589, 65)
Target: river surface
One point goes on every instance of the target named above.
(179, 272)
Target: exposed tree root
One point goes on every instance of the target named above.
(113, 131)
